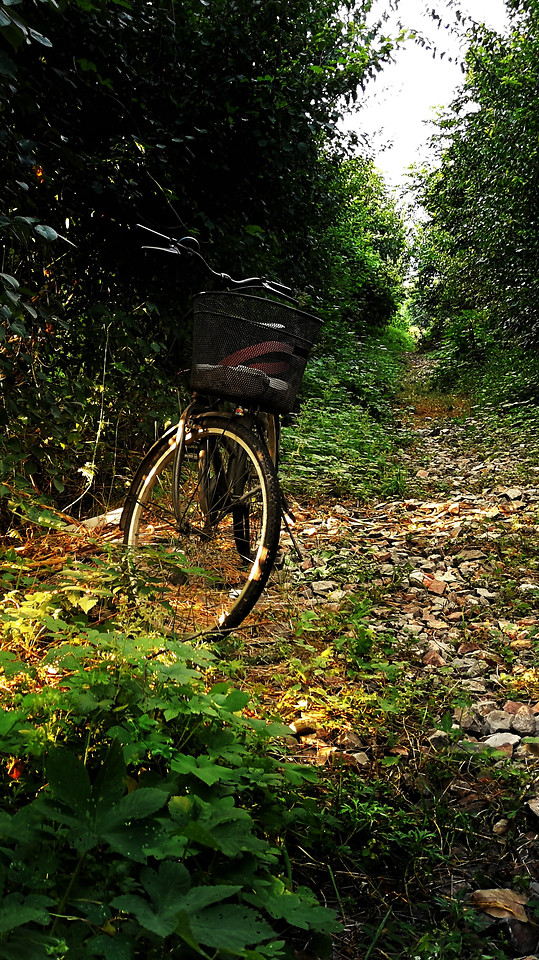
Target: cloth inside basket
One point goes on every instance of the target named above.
(238, 380)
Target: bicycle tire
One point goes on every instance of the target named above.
(196, 553)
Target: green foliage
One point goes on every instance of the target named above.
(340, 442)
(365, 248)
(145, 813)
(478, 250)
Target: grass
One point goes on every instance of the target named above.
(342, 442)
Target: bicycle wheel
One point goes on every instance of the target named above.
(211, 547)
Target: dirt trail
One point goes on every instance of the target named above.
(448, 580)
(452, 564)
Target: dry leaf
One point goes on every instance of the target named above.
(433, 659)
(501, 903)
(437, 586)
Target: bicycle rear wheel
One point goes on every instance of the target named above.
(211, 547)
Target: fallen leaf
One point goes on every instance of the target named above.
(500, 903)
(433, 659)
(15, 769)
(437, 586)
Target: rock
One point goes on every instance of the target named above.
(336, 596)
(478, 669)
(524, 722)
(436, 586)
(468, 719)
(324, 586)
(484, 707)
(433, 659)
(438, 739)
(303, 726)
(466, 555)
(503, 741)
(414, 628)
(511, 706)
(500, 827)
(497, 721)
(361, 759)
(474, 686)
(350, 740)
(471, 746)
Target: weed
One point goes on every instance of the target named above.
(142, 809)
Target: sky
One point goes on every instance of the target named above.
(397, 105)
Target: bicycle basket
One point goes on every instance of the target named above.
(250, 348)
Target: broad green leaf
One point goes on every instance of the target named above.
(69, 780)
(15, 912)
(236, 701)
(141, 803)
(117, 947)
(230, 927)
(11, 280)
(48, 233)
(296, 911)
(109, 785)
(162, 923)
(203, 768)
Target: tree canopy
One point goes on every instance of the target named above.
(479, 249)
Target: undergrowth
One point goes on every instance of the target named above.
(143, 809)
(474, 356)
(341, 442)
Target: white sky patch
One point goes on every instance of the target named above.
(398, 104)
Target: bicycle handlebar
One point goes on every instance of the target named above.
(190, 246)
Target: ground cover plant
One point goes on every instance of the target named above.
(339, 442)
(141, 812)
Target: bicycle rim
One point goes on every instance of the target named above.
(209, 549)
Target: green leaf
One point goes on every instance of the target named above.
(15, 912)
(118, 947)
(167, 889)
(230, 927)
(48, 233)
(202, 767)
(87, 65)
(134, 806)
(11, 280)
(68, 779)
(236, 701)
(109, 785)
(39, 37)
(295, 910)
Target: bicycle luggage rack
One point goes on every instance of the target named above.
(252, 348)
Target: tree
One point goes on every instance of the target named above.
(481, 247)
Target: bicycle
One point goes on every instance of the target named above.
(202, 517)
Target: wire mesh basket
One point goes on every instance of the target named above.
(250, 348)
